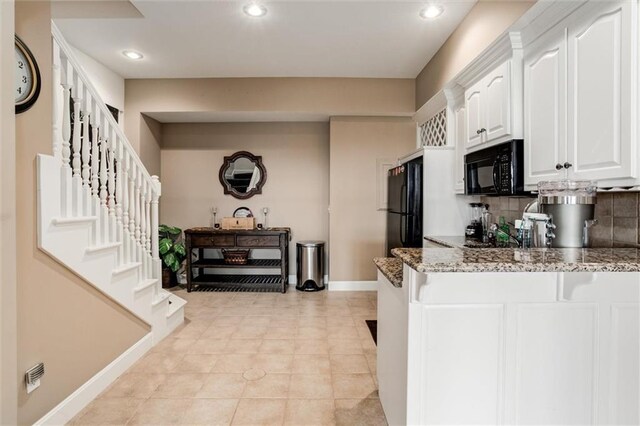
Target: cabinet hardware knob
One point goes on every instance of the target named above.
(567, 165)
(483, 130)
(478, 132)
(559, 166)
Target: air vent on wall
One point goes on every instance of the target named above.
(434, 131)
(32, 377)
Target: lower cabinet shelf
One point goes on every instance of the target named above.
(237, 279)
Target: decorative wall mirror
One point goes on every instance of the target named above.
(243, 175)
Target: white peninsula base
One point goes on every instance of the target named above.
(510, 348)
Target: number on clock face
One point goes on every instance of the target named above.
(24, 79)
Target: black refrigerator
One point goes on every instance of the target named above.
(404, 214)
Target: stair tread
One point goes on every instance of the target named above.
(126, 267)
(74, 220)
(144, 284)
(102, 247)
(161, 298)
(176, 304)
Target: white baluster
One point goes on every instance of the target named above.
(57, 102)
(125, 189)
(125, 206)
(66, 121)
(143, 225)
(103, 141)
(138, 204)
(76, 143)
(147, 242)
(86, 154)
(147, 210)
(95, 155)
(132, 211)
(155, 195)
(86, 144)
(119, 198)
(111, 182)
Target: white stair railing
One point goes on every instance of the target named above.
(102, 175)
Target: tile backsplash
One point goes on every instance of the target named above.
(618, 215)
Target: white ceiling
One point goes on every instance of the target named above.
(295, 39)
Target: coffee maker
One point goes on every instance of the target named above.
(474, 229)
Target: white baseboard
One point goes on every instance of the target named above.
(82, 396)
(353, 286)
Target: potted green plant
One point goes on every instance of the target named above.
(172, 253)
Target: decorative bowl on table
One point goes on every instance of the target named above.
(235, 257)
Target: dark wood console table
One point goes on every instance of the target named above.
(199, 239)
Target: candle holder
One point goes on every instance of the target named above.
(214, 212)
(265, 212)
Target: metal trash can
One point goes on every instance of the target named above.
(310, 269)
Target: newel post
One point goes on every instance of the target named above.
(155, 218)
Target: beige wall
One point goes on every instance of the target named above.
(484, 23)
(327, 96)
(296, 156)
(8, 340)
(62, 321)
(357, 228)
(150, 143)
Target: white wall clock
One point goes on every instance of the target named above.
(27, 83)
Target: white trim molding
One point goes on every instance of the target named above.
(353, 286)
(82, 396)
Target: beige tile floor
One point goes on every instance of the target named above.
(254, 359)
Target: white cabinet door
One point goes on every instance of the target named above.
(545, 108)
(460, 138)
(497, 94)
(459, 342)
(393, 307)
(624, 367)
(475, 115)
(601, 47)
(557, 364)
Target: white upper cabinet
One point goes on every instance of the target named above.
(600, 57)
(460, 137)
(581, 99)
(545, 108)
(498, 102)
(489, 107)
(475, 115)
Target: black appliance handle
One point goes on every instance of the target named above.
(496, 165)
(402, 218)
(403, 198)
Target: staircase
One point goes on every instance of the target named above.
(97, 204)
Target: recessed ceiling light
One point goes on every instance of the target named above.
(132, 54)
(431, 11)
(255, 10)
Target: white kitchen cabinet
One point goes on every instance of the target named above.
(460, 137)
(545, 86)
(489, 108)
(580, 97)
(393, 308)
(497, 94)
(514, 348)
(602, 45)
(475, 115)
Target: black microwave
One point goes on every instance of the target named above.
(497, 170)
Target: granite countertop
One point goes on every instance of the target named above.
(391, 267)
(457, 242)
(520, 260)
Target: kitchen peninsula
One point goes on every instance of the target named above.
(509, 336)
